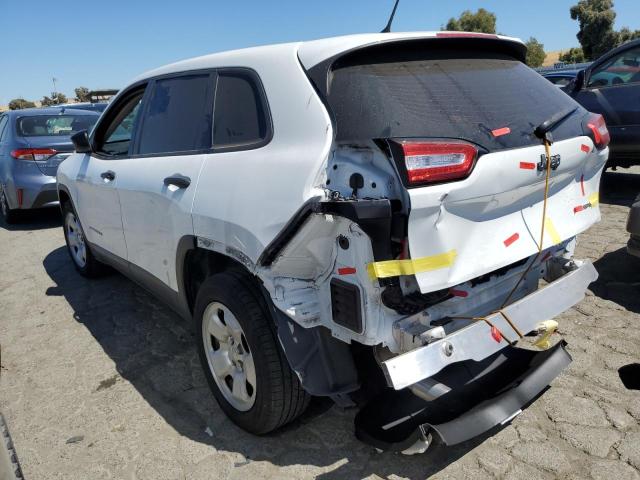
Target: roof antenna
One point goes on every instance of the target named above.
(387, 29)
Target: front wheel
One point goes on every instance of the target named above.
(242, 360)
(79, 251)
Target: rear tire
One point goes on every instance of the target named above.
(10, 216)
(79, 250)
(230, 300)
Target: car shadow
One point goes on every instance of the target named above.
(37, 219)
(153, 349)
(619, 188)
(618, 279)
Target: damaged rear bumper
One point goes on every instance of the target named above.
(485, 394)
(475, 341)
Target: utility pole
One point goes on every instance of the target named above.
(54, 80)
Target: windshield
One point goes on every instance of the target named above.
(466, 98)
(54, 125)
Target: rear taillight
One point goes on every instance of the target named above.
(599, 131)
(441, 161)
(37, 154)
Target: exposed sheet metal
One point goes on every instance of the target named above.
(475, 342)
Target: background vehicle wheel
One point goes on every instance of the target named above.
(8, 214)
(78, 249)
(241, 357)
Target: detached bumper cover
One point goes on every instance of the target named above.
(475, 341)
(485, 394)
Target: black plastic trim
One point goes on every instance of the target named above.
(483, 395)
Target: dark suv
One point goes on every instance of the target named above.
(611, 87)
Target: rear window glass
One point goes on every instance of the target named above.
(54, 125)
(463, 98)
(240, 115)
(178, 118)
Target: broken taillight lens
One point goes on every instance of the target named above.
(437, 161)
(37, 154)
(599, 131)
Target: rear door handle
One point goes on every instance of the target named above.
(177, 180)
(108, 175)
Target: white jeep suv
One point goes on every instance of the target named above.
(383, 219)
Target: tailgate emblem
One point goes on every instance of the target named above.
(555, 162)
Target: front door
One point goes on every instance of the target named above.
(98, 203)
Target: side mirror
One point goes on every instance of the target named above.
(81, 141)
(578, 82)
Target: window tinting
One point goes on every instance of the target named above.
(118, 134)
(178, 118)
(240, 116)
(464, 98)
(621, 69)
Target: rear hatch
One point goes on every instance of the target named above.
(472, 101)
(55, 151)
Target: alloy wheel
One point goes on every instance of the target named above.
(229, 357)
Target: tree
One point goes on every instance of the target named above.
(625, 35)
(535, 53)
(596, 34)
(82, 94)
(54, 99)
(482, 21)
(20, 103)
(573, 55)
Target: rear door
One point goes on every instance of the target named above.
(613, 90)
(157, 184)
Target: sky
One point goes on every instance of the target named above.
(105, 44)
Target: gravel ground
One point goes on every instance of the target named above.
(100, 381)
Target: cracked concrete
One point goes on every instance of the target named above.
(100, 381)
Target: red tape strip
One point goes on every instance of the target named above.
(511, 239)
(346, 271)
(498, 132)
(577, 209)
(527, 165)
(585, 148)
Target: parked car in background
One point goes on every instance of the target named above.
(611, 87)
(334, 215)
(561, 78)
(33, 142)
(94, 107)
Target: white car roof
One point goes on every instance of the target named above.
(310, 53)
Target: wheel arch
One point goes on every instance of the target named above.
(195, 264)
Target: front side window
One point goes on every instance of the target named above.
(240, 114)
(622, 69)
(54, 125)
(115, 139)
(178, 117)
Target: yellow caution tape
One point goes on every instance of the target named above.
(395, 268)
(548, 327)
(550, 228)
(594, 198)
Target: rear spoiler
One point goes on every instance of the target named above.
(441, 45)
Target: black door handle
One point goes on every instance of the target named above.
(177, 180)
(108, 175)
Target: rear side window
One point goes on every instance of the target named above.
(178, 117)
(240, 113)
(445, 97)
